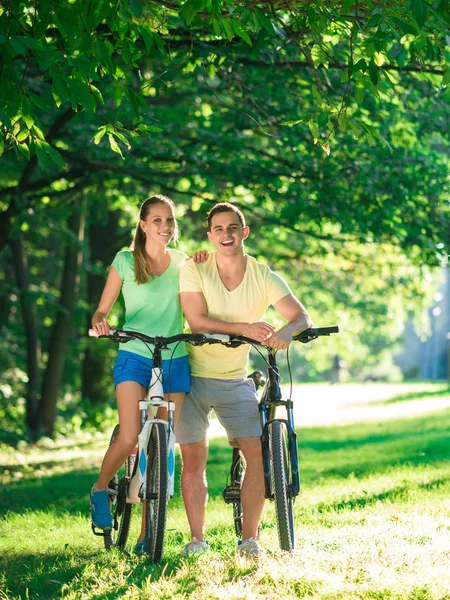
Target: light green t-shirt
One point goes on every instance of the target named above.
(259, 288)
(152, 308)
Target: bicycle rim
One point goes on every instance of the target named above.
(156, 496)
(280, 475)
(120, 510)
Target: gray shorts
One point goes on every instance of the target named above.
(234, 402)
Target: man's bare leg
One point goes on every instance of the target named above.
(193, 485)
(252, 489)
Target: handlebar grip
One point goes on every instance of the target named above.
(221, 337)
(93, 333)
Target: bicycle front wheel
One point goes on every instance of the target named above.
(120, 509)
(156, 493)
(281, 484)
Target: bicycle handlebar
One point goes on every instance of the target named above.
(198, 339)
(195, 339)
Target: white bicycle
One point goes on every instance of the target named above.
(149, 471)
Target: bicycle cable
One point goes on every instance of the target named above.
(290, 373)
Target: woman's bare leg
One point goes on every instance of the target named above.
(128, 395)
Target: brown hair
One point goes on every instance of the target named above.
(142, 265)
(222, 207)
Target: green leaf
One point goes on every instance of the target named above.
(314, 128)
(27, 112)
(322, 119)
(136, 8)
(228, 29)
(373, 73)
(216, 26)
(99, 135)
(419, 11)
(361, 65)
(114, 145)
(240, 31)
(189, 9)
(405, 28)
(2, 145)
(446, 77)
(133, 100)
(18, 46)
(97, 94)
(123, 139)
(159, 42)
(359, 94)
(23, 149)
(22, 136)
(264, 21)
(53, 153)
(118, 94)
(318, 56)
(146, 35)
(42, 156)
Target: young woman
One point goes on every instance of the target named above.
(148, 277)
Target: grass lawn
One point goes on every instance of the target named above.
(372, 522)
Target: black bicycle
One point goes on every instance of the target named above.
(279, 445)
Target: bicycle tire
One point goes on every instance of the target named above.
(156, 492)
(281, 488)
(117, 496)
(236, 479)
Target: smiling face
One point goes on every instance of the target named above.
(227, 233)
(159, 225)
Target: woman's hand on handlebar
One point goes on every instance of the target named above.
(100, 324)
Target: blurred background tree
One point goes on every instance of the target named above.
(327, 122)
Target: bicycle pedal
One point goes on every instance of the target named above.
(232, 493)
(100, 532)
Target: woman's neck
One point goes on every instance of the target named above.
(156, 253)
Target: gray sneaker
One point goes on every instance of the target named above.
(249, 548)
(195, 546)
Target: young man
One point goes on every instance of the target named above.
(228, 294)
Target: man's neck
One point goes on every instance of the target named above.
(231, 264)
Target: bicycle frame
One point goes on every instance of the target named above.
(148, 408)
(271, 399)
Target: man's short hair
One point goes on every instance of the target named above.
(222, 207)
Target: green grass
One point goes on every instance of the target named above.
(372, 522)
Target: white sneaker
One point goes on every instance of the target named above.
(250, 548)
(195, 546)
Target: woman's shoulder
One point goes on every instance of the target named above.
(177, 257)
(123, 259)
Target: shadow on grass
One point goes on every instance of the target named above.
(53, 575)
(424, 395)
(395, 494)
(325, 453)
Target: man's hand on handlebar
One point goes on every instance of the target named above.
(258, 331)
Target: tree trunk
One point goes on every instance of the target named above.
(61, 329)
(103, 245)
(31, 333)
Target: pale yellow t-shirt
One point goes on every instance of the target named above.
(259, 288)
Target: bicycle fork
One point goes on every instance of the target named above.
(147, 410)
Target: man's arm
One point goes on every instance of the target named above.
(196, 311)
(297, 319)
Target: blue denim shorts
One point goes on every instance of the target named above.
(133, 367)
